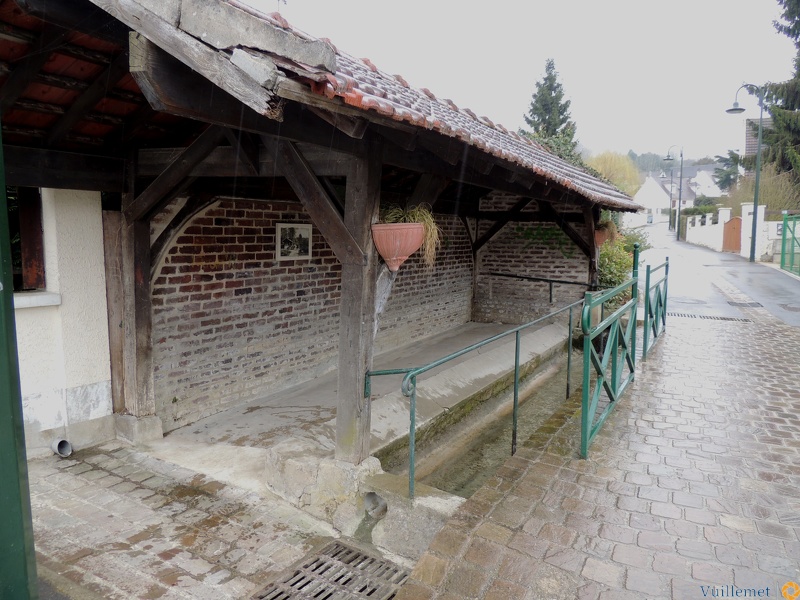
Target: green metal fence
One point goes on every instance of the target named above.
(790, 244)
(17, 556)
(409, 385)
(609, 353)
(655, 306)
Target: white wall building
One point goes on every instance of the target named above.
(62, 332)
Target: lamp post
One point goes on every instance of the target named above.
(736, 110)
(668, 157)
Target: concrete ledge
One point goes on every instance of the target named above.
(409, 526)
(453, 394)
(304, 474)
(138, 430)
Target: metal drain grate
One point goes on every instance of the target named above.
(338, 572)
(711, 317)
(745, 304)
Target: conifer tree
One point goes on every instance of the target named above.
(782, 139)
(548, 115)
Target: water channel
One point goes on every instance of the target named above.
(479, 456)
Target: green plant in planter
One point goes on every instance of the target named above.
(420, 213)
(607, 229)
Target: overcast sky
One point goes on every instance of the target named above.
(642, 75)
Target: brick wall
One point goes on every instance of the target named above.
(530, 249)
(231, 323)
(425, 302)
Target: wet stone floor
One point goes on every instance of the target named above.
(118, 524)
(692, 488)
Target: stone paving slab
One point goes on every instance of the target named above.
(117, 523)
(692, 488)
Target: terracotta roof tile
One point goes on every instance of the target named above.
(361, 84)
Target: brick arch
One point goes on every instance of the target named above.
(175, 217)
(230, 322)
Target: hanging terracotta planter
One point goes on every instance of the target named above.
(606, 230)
(397, 241)
(601, 236)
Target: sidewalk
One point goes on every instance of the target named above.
(691, 488)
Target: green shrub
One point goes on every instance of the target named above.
(615, 263)
(635, 236)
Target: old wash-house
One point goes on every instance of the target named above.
(193, 185)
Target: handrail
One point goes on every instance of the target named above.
(655, 306)
(545, 280)
(409, 384)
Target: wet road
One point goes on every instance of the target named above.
(696, 273)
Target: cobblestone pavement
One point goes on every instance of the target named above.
(692, 489)
(111, 522)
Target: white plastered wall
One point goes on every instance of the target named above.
(62, 333)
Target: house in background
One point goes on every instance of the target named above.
(661, 190)
(654, 196)
(157, 149)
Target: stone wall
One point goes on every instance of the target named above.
(231, 323)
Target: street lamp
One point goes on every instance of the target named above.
(737, 110)
(668, 157)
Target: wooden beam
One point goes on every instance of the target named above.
(428, 189)
(423, 161)
(138, 324)
(154, 196)
(115, 301)
(498, 225)
(591, 216)
(214, 66)
(246, 148)
(194, 204)
(529, 217)
(360, 304)
(451, 150)
(34, 167)
(585, 247)
(350, 126)
(88, 99)
(25, 70)
(402, 139)
(317, 203)
(172, 87)
(226, 161)
(78, 15)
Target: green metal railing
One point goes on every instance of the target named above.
(17, 555)
(655, 306)
(409, 384)
(609, 347)
(790, 244)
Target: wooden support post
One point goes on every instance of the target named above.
(139, 423)
(591, 222)
(359, 308)
(138, 348)
(115, 299)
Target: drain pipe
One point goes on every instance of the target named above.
(61, 447)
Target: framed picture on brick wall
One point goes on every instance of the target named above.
(293, 241)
